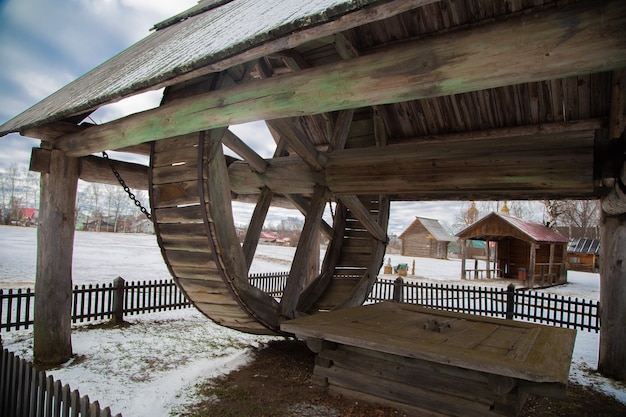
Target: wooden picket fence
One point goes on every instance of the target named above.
(120, 298)
(25, 391)
(95, 302)
(509, 303)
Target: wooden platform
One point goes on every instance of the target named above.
(435, 363)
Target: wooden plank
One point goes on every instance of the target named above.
(188, 154)
(174, 173)
(187, 258)
(186, 243)
(175, 194)
(349, 327)
(464, 60)
(197, 272)
(186, 214)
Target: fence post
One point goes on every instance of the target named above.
(510, 301)
(118, 300)
(397, 290)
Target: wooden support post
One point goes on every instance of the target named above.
(612, 357)
(463, 255)
(118, 300)
(488, 259)
(531, 265)
(397, 290)
(52, 335)
(510, 302)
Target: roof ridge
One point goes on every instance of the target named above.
(201, 7)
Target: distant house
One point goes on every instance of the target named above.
(273, 238)
(523, 249)
(426, 238)
(583, 255)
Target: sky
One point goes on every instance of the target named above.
(46, 44)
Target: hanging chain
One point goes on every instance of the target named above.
(123, 184)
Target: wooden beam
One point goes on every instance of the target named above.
(285, 130)
(96, 169)
(303, 206)
(256, 225)
(363, 215)
(558, 42)
(485, 167)
(296, 281)
(618, 103)
(257, 164)
(52, 342)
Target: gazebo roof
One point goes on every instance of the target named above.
(499, 225)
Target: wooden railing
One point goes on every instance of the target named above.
(25, 391)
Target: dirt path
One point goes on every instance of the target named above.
(277, 384)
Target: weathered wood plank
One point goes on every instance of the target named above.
(463, 59)
(187, 214)
(178, 258)
(175, 194)
(351, 327)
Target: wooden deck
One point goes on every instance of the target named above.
(434, 363)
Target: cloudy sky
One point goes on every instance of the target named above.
(46, 44)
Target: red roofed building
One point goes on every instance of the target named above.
(523, 249)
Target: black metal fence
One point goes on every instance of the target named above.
(96, 302)
(25, 391)
(120, 298)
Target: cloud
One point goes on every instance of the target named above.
(46, 44)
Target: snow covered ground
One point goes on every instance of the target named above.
(152, 366)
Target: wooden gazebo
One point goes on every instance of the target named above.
(368, 102)
(527, 250)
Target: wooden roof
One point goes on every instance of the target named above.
(476, 99)
(496, 225)
(433, 227)
(583, 245)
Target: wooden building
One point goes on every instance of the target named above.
(526, 250)
(426, 238)
(584, 255)
(368, 102)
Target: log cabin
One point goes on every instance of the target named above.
(426, 238)
(368, 102)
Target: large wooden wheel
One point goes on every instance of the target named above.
(192, 212)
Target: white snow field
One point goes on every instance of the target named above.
(152, 366)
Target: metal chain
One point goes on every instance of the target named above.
(123, 184)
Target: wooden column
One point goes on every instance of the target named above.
(531, 265)
(55, 244)
(612, 357)
(488, 259)
(463, 255)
